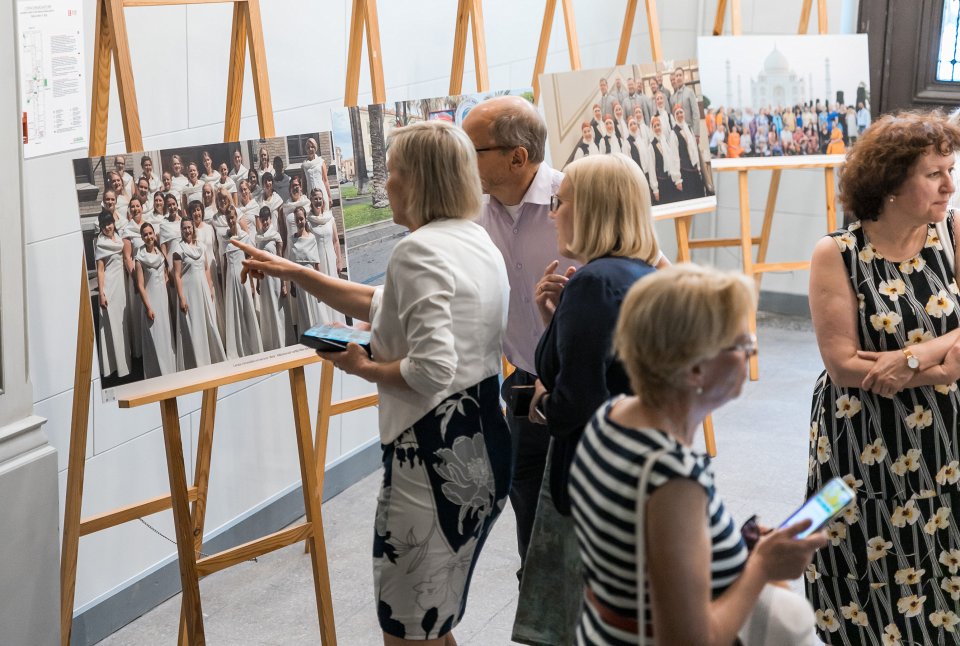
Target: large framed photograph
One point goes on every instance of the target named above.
(652, 113)
(771, 96)
(360, 136)
(167, 292)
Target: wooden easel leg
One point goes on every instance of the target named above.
(124, 69)
(822, 17)
(353, 53)
(480, 47)
(682, 227)
(541, 61)
(573, 43)
(238, 59)
(628, 19)
(201, 480)
(459, 47)
(76, 463)
(805, 16)
(831, 189)
(311, 504)
(746, 250)
(708, 439)
(767, 222)
(322, 431)
(323, 424)
(100, 98)
(720, 18)
(182, 523)
(736, 24)
(258, 69)
(653, 25)
(373, 52)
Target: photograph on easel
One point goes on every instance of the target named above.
(652, 113)
(772, 96)
(360, 135)
(165, 284)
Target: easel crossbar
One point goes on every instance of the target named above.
(253, 549)
(116, 517)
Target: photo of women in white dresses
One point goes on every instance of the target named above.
(652, 113)
(166, 288)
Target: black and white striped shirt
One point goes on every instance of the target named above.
(603, 492)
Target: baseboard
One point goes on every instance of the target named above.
(158, 585)
(784, 303)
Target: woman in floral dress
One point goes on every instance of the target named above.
(436, 325)
(885, 411)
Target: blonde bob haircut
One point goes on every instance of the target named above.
(439, 167)
(675, 318)
(611, 209)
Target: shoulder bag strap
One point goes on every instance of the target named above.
(945, 233)
(641, 542)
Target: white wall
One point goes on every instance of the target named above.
(179, 61)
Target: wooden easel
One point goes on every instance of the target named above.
(681, 215)
(364, 17)
(573, 46)
(468, 10)
(828, 163)
(112, 43)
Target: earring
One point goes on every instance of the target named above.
(699, 390)
(892, 198)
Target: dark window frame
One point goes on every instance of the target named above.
(928, 89)
(904, 39)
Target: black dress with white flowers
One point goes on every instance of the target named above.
(891, 574)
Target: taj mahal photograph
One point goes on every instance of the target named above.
(785, 95)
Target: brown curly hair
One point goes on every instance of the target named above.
(881, 159)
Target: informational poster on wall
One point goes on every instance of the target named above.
(53, 86)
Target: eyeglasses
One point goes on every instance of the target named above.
(489, 148)
(748, 347)
(555, 202)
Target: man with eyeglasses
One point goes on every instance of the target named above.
(509, 136)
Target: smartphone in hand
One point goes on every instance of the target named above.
(826, 505)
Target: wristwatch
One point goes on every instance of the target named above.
(912, 362)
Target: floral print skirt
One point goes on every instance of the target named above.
(445, 482)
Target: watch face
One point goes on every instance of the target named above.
(913, 363)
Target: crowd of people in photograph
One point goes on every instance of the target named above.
(657, 125)
(811, 128)
(169, 281)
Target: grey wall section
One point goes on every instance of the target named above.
(156, 587)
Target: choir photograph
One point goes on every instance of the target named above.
(652, 113)
(167, 288)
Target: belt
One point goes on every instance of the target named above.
(612, 617)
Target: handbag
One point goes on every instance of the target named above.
(779, 616)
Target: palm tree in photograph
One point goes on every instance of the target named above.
(359, 158)
(378, 150)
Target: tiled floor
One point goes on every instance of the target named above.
(761, 468)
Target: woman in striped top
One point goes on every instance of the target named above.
(684, 340)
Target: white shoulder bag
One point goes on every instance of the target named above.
(779, 616)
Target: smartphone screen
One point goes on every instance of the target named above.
(823, 507)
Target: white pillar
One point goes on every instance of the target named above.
(29, 508)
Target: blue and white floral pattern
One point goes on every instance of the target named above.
(445, 483)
